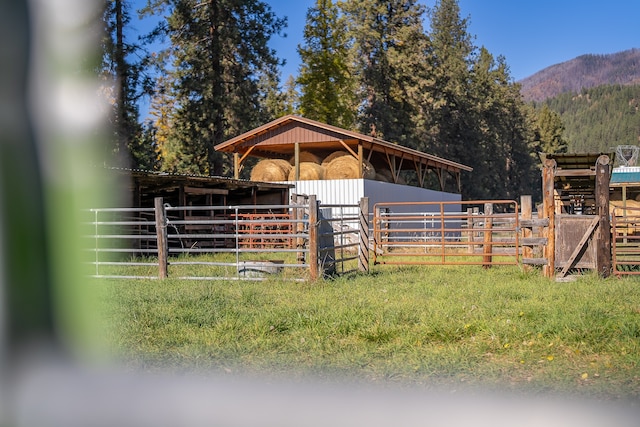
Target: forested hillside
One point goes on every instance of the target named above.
(600, 118)
(585, 71)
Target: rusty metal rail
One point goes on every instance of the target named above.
(485, 232)
(625, 241)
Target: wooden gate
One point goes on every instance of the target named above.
(575, 246)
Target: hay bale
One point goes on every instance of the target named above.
(269, 170)
(347, 167)
(306, 157)
(384, 175)
(308, 171)
(332, 156)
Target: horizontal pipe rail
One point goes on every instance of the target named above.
(447, 233)
(127, 239)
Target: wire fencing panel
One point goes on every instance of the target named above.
(247, 242)
(124, 243)
(298, 241)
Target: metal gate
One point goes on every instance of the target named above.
(481, 232)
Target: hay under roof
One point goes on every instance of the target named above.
(285, 136)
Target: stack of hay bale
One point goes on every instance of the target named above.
(270, 170)
(337, 165)
(342, 165)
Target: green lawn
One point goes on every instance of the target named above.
(419, 325)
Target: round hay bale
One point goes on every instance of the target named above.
(269, 170)
(305, 156)
(332, 156)
(347, 167)
(384, 175)
(308, 171)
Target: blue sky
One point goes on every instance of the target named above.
(530, 34)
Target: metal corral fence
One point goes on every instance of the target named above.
(455, 233)
(625, 241)
(302, 240)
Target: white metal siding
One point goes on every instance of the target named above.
(332, 191)
(350, 191)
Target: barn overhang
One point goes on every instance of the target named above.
(285, 137)
(187, 189)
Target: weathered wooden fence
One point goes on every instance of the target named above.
(303, 240)
(625, 241)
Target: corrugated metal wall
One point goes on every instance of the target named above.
(333, 192)
(349, 191)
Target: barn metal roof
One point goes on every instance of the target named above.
(278, 138)
(211, 181)
(625, 175)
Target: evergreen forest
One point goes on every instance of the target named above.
(598, 119)
(396, 70)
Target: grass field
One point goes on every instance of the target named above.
(433, 326)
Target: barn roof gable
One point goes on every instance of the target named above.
(278, 137)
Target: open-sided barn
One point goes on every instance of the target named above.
(381, 167)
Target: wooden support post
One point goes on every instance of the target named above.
(548, 207)
(313, 238)
(526, 207)
(296, 157)
(360, 161)
(603, 234)
(363, 263)
(236, 165)
(161, 235)
(488, 232)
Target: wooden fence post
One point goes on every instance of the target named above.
(363, 262)
(313, 238)
(470, 246)
(603, 234)
(548, 206)
(488, 225)
(298, 226)
(161, 235)
(526, 208)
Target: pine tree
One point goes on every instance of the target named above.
(291, 96)
(549, 130)
(123, 66)
(161, 111)
(390, 50)
(503, 166)
(452, 59)
(220, 56)
(325, 80)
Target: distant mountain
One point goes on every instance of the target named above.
(583, 72)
